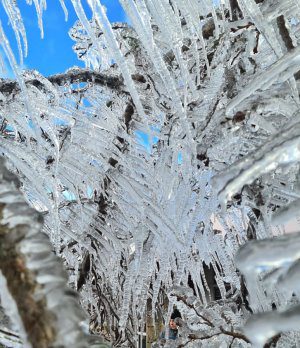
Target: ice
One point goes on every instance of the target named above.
(16, 21)
(289, 62)
(264, 326)
(286, 213)
(280, 150)
(12, 311)
(265, 27)
(212, 87)
(62, 3)
(34, 249)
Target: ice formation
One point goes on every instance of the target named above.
(33, 284)
(177, 144)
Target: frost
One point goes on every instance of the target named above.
(175, 146)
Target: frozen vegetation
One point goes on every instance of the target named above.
(166, 173)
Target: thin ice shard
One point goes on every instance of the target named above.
(16, 21)
(62, 3)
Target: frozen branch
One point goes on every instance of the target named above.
(71, 76)
(36, 282)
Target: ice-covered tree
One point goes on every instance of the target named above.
(177, 144)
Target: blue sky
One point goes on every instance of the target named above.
(54, 53)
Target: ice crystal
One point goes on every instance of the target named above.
(177, 144)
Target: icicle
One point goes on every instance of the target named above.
(86, 24)
(103, 22)
(23, 224)
(12, 61)
(40, 5)
(16, 21)
(145, 32)
(127, 293)
(62, 3)
(170, 26)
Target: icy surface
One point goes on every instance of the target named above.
(176, 145)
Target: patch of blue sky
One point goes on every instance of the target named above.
(69, 195)
(294, 21)
(90, 192)
(31, 124)
(60, 122)
(9, 128)
(79, 85)
(85, 102)
(179, 158)
(144, 140)
(155, 140)
(54, 53)
(71, 103)
(48, 190)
